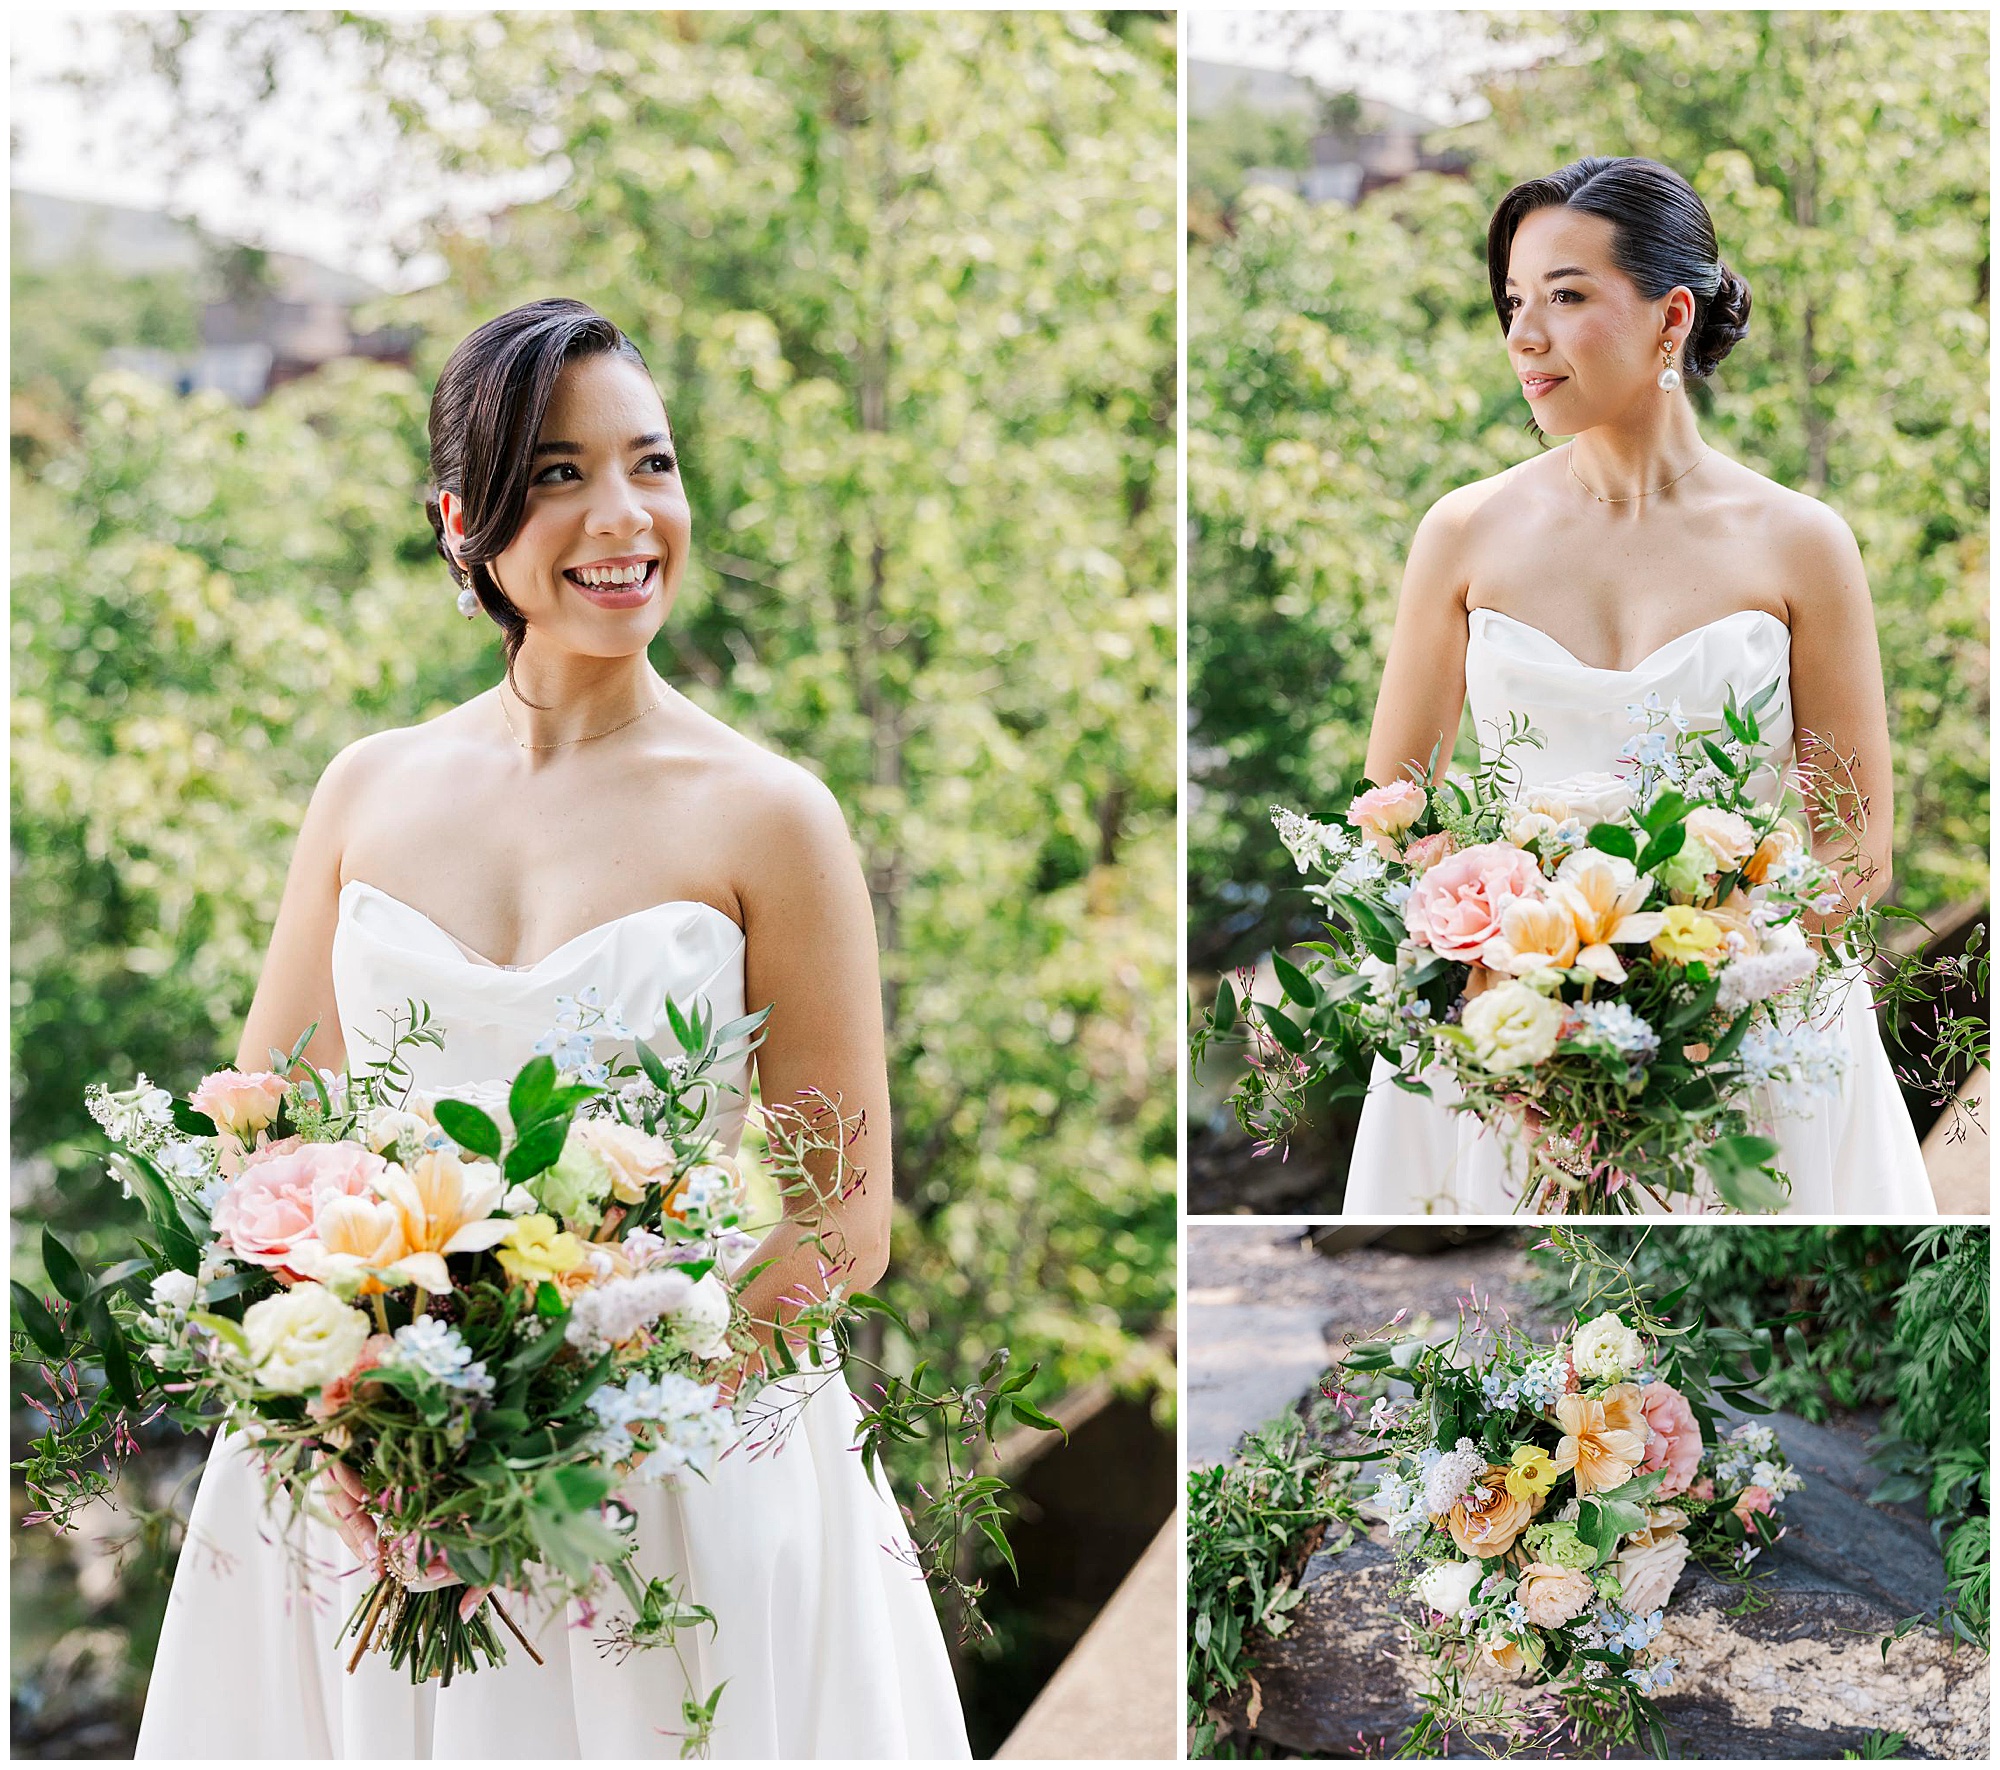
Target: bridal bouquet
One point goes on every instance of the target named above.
(1543, 1500)
(469, 1321)
(1602, 970)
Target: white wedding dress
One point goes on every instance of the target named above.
(825, 1634)
(1854, 1154)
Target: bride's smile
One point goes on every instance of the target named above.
(615, 583)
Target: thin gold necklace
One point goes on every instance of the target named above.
(589, 737)
(1635, 496)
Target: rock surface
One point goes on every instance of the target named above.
(1799, 1672)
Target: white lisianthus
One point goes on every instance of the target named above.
(1605, 1350)
(1447, 1585)
(1594, 798)
(1525, 826)
(388, 1125)
(304, 1338)
(1512, 1027)
(702, 1319)
(173, 1293)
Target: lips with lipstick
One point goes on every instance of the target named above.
(1535, 386)
(615, 583)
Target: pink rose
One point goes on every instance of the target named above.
(1704, 1489)
(1673, 1440)
(1427, 851)
(1455, 908)
(240, 1104)
(1554, 1595)
(269, 1206)
(232, 1158)
(1751, 1499)
(1384, 813)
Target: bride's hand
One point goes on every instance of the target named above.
(347, 1500)
(439, 1574)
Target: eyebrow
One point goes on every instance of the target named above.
(569, 448)
(1568, 270)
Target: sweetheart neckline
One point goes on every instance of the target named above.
(1605, 670)
(479, 961)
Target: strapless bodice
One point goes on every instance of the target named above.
(385, 954)
(1581, 711)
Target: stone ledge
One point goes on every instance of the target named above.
(1801, 1675)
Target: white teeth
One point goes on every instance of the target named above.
(605, 577)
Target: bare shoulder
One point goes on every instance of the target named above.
(781, 815)
(390, 761)
(1458, 531)
(1461, 514)
(1808, 543)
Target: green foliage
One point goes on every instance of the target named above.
(1944, 1340)
(1345, 369)
(1237, 138)
(1251, 1524)
(1847, 1277)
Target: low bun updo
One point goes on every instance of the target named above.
(1720, 325)
(486, 415)
(1662, 238)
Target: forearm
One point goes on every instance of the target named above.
(809, 1254)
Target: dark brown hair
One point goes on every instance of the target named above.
(1661, 237)
(485, 416)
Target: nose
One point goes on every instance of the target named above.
(617, 509)
(1524, 332)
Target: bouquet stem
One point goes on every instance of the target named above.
(423, 1630)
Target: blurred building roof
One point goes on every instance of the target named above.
(1213, 86)
(265, 317)
(1363, 144)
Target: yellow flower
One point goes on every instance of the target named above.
(1533, 1473)
(1686, 935)
(536, 1249)
(1536, 934)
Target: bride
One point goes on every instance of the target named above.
(1635, 561)
(579, 824)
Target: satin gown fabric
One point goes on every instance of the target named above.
(1852, 1154)
(825, 1631)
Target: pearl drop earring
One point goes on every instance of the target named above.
(468, 602)
(1670, 377)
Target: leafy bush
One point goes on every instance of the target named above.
(1250, 1526)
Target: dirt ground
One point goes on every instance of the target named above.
(1268, 1310)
